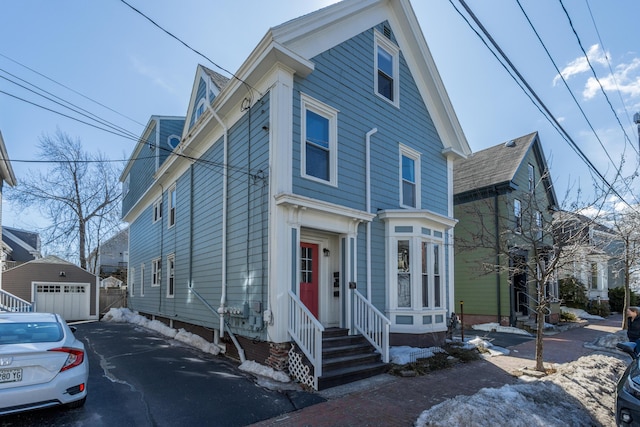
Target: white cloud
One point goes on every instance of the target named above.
(581, 65)
(625, 80)
(151, 73)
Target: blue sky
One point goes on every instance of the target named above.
(112, 55)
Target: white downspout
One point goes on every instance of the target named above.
(368, 208)
(223, 297)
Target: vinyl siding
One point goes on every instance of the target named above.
(142, 171)
(168, 127)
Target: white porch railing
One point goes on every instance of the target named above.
(10, 302)
(306, 331)
(371, 323)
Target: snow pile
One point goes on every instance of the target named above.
(581, 314)
(495, 327)
(580, 393)
(127, 316)
(402, 355)
(264, 371)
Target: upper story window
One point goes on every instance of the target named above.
(539, 225)
(172, 206)
(319, 151)
(517, 213)
(126, 185)
(387, 69)
(409, 177)
(199, 110)
(157, 210)
(532, 178)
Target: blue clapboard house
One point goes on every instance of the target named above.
(301, 214)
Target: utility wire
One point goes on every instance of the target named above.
(170, 34)
(606, 56)
(550, 117)
(618, 168)
(70, 89)
(595, 76)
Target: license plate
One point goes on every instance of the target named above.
(10, 375)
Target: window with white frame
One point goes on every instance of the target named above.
(157, 210)
(171, 276)
(319, 150)
(172, 206)
(142, 280)
(156, 272)
(418, 273)
(199, 110)
(126, 184)
(594, 276)
(539, 225)
(387, 69)
(517, 213)
(532, 178)
(132, 281)
(409, 177)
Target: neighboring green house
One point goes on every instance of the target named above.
(504, 201)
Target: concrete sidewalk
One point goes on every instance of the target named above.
(387, 400)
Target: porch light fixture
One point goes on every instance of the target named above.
(326, 252)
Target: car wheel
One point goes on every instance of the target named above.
(77, 403)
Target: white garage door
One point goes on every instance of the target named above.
(71, 301)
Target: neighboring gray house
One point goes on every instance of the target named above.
(305, 202)
(20, 245)
(55, 285)
(111, 258)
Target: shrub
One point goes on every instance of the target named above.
(573, 292)
(616, 299)
(600, 309)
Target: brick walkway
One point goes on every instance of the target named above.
(387, 400)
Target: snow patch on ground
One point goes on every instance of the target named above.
(499, 328)
(581, 313)
(580, 393)
(124, 315)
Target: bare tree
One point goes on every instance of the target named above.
(78, 194)
(513, 235)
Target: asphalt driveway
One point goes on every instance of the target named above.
(141, 378)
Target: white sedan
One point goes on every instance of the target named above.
(42, 364)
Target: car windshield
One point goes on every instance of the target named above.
(30, 332)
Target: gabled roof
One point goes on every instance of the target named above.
(25, 245)
(496, 167)
(215, 82)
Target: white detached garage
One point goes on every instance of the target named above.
(56, 286)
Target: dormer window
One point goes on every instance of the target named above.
(387, 69)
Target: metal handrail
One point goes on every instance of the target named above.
(528, 303)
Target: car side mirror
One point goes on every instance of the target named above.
(73, 329)
(629, 348)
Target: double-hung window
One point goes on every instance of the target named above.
(171, 276)
(172, 206)
(141, 280)
(418, 273)
(156, 272)
(539, 225)
(387, 69)
(409, 177)
(517, 213)
(319, 150)
(157, 210)
(532, 178)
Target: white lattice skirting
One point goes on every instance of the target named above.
(299, 370)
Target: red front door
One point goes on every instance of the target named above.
(309, 276)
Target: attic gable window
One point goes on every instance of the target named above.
(173, 141)
(199, 110)
(319, 142)
(387, 69)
